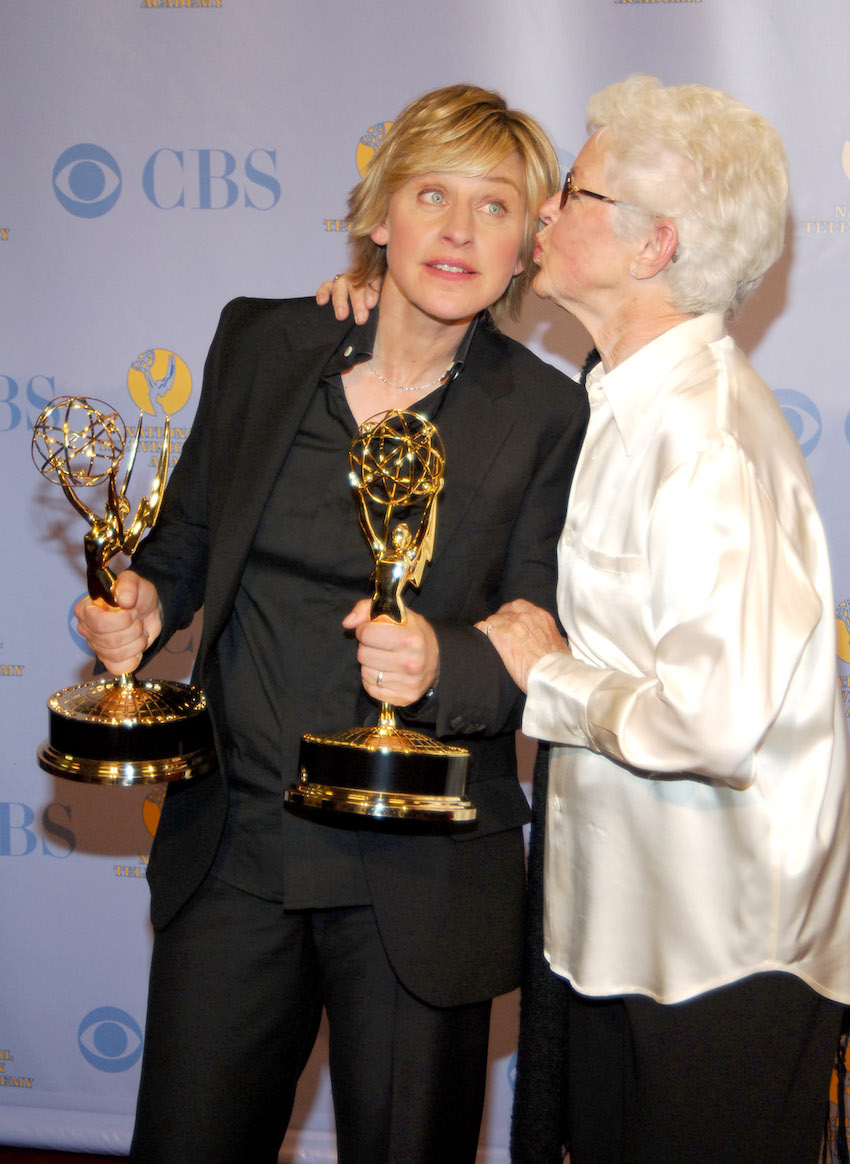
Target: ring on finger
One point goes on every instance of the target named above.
(380, 679)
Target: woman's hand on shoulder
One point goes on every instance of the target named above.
(341, 292)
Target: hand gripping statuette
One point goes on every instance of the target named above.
(120, 730)
(386, 771)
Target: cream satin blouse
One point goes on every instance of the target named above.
(698, 817)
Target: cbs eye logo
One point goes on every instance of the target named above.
(110, 1039)
(802, 416)
(87, 180)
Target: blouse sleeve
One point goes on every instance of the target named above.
(731, 607)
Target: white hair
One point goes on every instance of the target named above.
(718, 169)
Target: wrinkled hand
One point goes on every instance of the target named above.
(120, 635)
(406, 656)
(522, 634)
(341, 290)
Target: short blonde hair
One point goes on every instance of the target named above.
(718, 169)
(460, 128)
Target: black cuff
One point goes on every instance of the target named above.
(423, 703)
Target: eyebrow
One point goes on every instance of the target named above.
(505, 182)
(518, 189)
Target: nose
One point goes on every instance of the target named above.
(550, 209)
(458, 224)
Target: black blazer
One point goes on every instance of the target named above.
(449, 906)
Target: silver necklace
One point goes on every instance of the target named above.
(401, 387)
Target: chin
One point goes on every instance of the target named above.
(540, 286)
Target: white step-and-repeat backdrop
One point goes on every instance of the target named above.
(157, 158)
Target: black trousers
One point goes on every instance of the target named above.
(739, 1075)
(236, 995)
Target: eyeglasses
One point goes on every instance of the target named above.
(570, 189)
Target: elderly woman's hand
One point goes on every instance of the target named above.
(340, 291)
(522, 633)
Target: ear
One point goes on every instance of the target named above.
(380, 236)
(520, 266)
(658, 249)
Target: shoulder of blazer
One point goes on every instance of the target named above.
(504, 364)
(297, 323)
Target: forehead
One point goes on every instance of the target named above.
(507, 174)
(591, 156)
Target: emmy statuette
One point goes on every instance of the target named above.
(386, 771)
(121, 730)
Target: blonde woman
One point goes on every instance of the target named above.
(264, 916)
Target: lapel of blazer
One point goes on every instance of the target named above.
(475, 423)
(283, 384)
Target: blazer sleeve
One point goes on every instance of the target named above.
(475, 694)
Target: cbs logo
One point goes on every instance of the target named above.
(87, 179)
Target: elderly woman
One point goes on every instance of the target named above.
(264, 916)
(697, 864)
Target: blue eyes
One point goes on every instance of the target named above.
(437, 198)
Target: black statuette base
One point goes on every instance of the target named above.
(144, 732)
(402, 776)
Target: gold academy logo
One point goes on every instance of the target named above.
(842, 647)
(152, 809)
(10, 1080)
(363, 155)
(181, 4)
(158, 376)
(836, 1114)
(4, 233)
(368, 143)
(11, 670)
(840, 221)
(151, 812)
